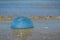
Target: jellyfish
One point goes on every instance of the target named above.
(22, 28)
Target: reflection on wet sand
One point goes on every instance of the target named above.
(22, 34)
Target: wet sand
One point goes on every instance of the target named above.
(43, 30)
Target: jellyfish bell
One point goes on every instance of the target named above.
(22, 22)
(22, 27)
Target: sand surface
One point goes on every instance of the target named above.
(43, 30)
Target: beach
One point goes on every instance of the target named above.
(43, 30)
(44, 14)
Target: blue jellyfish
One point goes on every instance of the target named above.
(22, 22)
(22, 28)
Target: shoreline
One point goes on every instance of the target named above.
(44, 18)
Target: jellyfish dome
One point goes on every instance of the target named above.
(22, 22)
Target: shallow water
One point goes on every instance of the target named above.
(43, 30)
